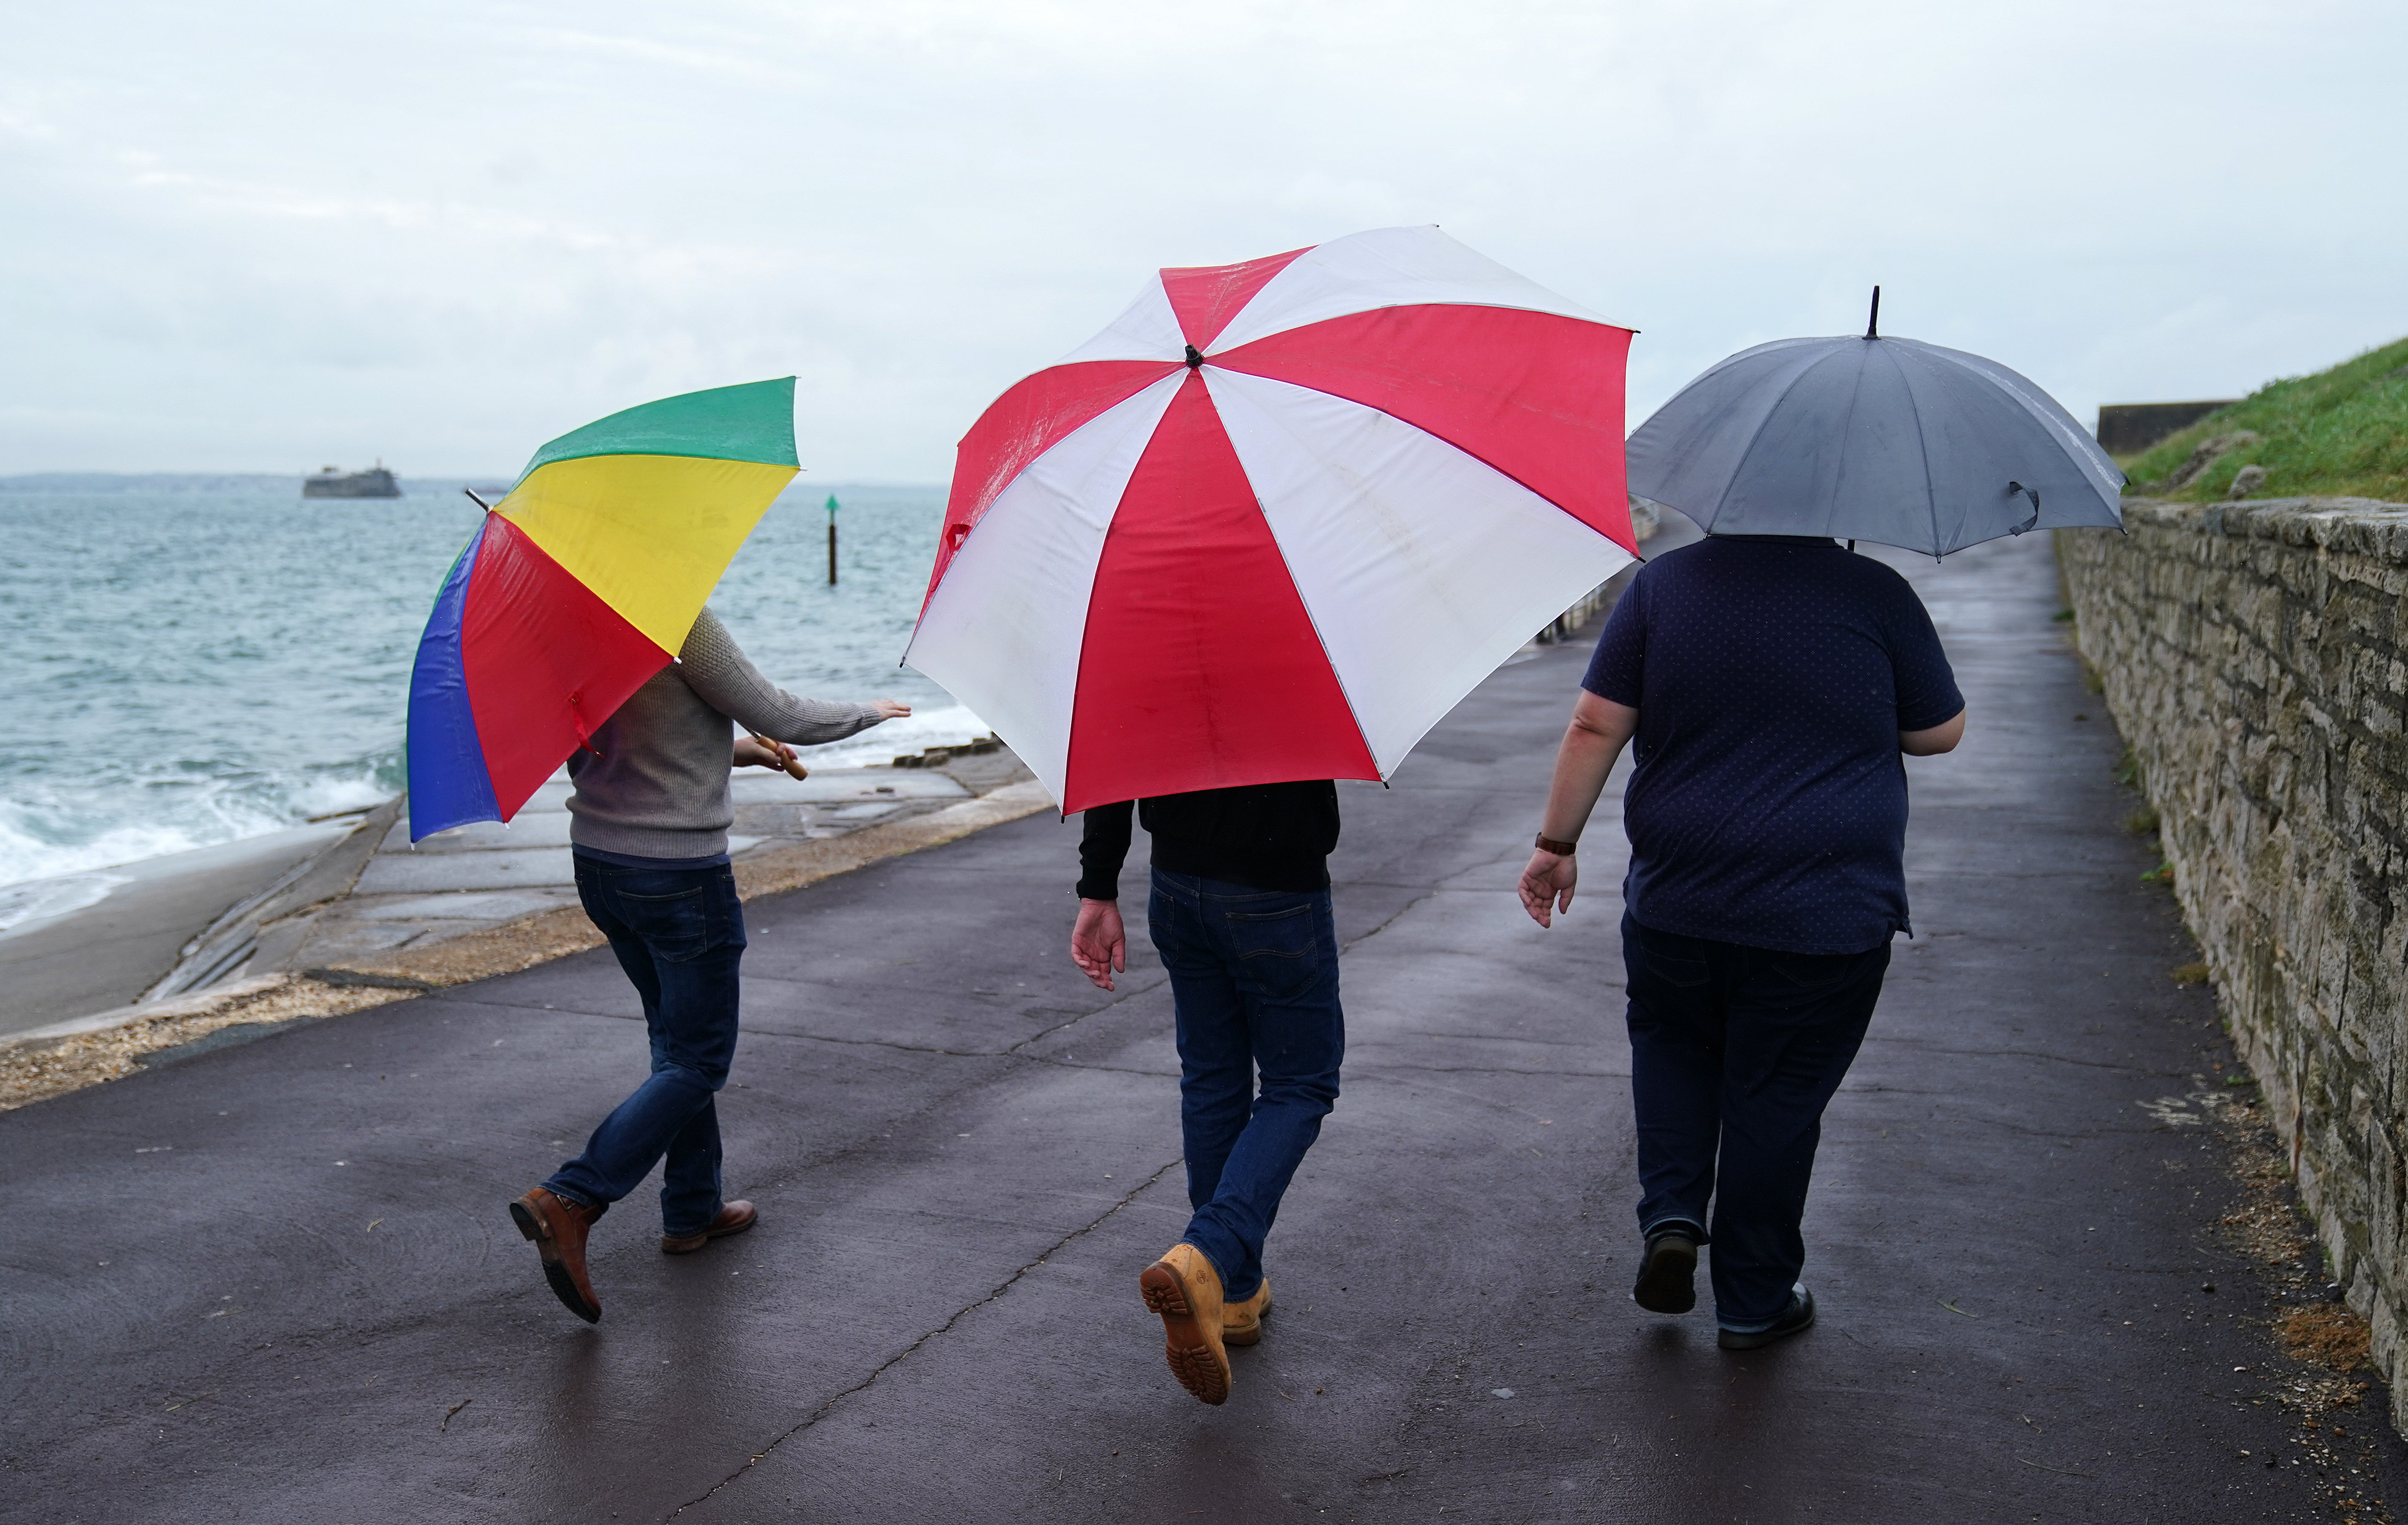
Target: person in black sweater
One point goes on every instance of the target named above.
(1240, 912)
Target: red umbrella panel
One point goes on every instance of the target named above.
(1279, 519)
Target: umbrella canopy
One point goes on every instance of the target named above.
(581, 584)
(1872, 439)
(1275, 520)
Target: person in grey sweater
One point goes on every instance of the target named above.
(649, 827)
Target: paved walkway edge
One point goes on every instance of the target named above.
(82, 1051)
(200, 1004)
(522, 945)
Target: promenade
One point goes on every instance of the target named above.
(275, 1282)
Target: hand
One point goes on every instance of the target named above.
(890, 709)
(1098, 944)
(1547, 885)
(759, 751)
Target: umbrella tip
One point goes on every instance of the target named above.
(1195, 357)
(1872, 321)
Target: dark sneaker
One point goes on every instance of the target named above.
(1668, 1271)
(1800, 1319)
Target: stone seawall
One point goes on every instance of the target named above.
(2256, 658)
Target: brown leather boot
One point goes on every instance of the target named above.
(1241, 1323)
(1185, 1291)
(733, 1218)
(558, 1227)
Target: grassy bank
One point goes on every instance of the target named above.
(2341, 432)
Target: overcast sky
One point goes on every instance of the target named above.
(258, 235)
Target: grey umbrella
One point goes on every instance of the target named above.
(1872, 439)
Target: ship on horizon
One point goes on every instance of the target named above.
(334, 483)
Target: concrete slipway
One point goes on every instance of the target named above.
(357, 895)
(275, 1282)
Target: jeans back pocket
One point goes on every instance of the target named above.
(1278, 950)
(676, 927)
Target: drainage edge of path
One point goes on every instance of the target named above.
(2313, 1333)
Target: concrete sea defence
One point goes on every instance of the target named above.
(233, 943)
(2256, 657)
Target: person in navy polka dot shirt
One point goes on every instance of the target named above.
(1770, 683)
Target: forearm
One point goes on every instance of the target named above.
(801, 722)
(1592, 742)
(724, 678)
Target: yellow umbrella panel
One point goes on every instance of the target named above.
(579, 585)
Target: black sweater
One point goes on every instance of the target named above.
(1266, 836)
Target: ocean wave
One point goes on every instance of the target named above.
(46, 832)
(25, 854)
(103, 822)
(43, 898)
(199, 661)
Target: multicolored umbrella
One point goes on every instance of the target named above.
(1279, 519)
(581, 584)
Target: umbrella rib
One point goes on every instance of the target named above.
(1763, 424)
(2063, 432)
(1923, 450)
(1354, 714)
(1839, 473)
(1708, 374)
(1452, 444)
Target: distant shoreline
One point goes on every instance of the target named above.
(104, 482)
(196, 481)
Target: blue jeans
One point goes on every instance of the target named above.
(1734, 1053)
(1253, 980)
(679, 935)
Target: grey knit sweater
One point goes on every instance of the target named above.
(659, 788)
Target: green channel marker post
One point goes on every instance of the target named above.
(831, 508)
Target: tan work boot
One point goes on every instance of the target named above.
(1241, 1323)
(1185, 1291)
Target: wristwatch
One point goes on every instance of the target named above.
(1561, 849)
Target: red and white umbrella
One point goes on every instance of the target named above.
(1279, 519)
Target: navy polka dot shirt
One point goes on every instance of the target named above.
(1771, 675)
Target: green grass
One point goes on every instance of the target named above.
(2341, 432)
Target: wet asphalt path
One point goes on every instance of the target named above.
(275, 1283)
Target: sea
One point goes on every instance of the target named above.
(194, 660)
